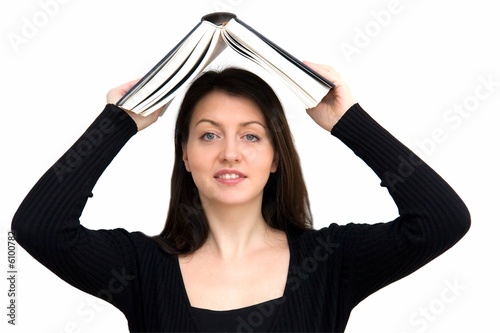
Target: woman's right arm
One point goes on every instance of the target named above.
(47, 223)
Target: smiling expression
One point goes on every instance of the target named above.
(229, 151)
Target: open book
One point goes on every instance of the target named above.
(202, 45)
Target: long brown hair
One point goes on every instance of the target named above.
(285, 203)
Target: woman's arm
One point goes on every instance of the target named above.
(47, 222)
(432, 216)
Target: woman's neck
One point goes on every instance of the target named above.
(236, 230)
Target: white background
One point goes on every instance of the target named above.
(410, 64)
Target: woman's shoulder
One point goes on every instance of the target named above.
(333, 236)
(148, 243)
(143, 246)
(333, 230)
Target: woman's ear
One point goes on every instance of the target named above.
(275, 164)
(185, 158)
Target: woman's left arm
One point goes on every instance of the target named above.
(432, 216)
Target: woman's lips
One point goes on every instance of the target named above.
(228, 176)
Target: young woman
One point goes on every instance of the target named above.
(238, 252)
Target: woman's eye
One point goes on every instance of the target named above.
(208, 136)
(251, 137)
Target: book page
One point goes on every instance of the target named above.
(167, 68)
(208, 48)
(309, 90)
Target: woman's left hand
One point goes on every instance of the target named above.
(338, 100)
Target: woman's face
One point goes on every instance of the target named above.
(229, 152)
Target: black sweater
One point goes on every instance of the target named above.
(331, 269)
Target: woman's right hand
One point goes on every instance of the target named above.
(142, 122)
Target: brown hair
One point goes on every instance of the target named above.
(285, 203)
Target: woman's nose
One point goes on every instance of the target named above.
(230, 151)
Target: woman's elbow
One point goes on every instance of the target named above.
(463, 220)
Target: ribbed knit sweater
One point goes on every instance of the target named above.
(331, 269)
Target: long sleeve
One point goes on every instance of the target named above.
(432, 217)
(47, 224)
(332, 269)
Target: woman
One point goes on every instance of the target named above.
(238, 251)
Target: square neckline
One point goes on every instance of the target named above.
(283, 297)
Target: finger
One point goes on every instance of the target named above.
(127, 86)
(115, 94)
(124, 88)
(326, 71)
(321, 67)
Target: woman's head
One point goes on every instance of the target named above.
(285, 203)
(229, 153)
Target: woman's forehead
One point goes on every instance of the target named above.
(224, 108)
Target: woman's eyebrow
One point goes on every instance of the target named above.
(217, 124)
(208, 121)
(247, 123)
